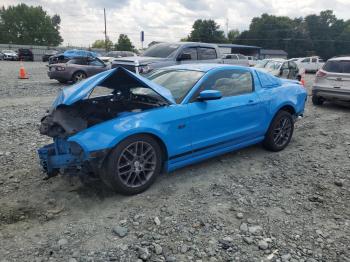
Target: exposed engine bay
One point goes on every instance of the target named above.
(65, 121)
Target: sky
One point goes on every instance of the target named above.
(167, 20)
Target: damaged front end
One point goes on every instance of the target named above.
(76, 110)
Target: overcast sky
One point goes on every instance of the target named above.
(167, 20)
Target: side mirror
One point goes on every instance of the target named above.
(209, 95)
(184, 56)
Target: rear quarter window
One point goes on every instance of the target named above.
(205, 53)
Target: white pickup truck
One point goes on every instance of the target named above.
(310, 64)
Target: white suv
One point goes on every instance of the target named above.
(332, 82)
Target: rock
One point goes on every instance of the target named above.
(248, 240)
(120, 231)
(255, 230)
(339, 183)
(263, 245)
(62, 242)
(157, 221)
(239, 215)
(184, 249)
(170, 259)
(144, 254)
(228, 239)
(286, 257)
(157, 248)
(243, 227)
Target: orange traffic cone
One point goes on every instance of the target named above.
(302, 81)
(22, 72)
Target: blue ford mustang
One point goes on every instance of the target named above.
(126, 129)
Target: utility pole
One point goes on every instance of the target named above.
(104, 12)
(227, 27)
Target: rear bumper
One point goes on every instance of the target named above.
(331, 93)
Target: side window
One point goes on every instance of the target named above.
(306, 60)
(293, 65)
(285, 65)
(230, 82)
(205, 53)
(314, 60)
(241, 57)
(191, 51)
(95, 62)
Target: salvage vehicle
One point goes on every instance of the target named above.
(235, 59)
(168, 54)
(46, 56)
(332, 82)
(10, 55)
(126, 129)
(25, 54)
(112, 55)
(70, 54)
(311, 64)
(76, 69)
(282, 68)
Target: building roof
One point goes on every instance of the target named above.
(239, 46)
(273, 52)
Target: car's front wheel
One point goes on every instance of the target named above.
(280, 132)
(133, 165)
(317, 101)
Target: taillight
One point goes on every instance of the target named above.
(320, 73)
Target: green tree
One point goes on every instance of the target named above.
(124, 44)
(102, 44)
(206, 31)
(232, 35)
(23, 24)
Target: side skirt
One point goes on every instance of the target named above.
(199, 156)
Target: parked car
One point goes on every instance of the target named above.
(311, 64)
(282, 68)
(25, 54)
(2, 56)
(168, 54)
(235, 59)
(76, 69)
(48, 54)
(252, 60)
(332, 82)
(180, 115)
(112, 55)
(10, 55)
(70, 54)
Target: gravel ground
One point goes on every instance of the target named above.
(250, 205)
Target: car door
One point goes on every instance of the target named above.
(95, 66)
(233, 119)
(285, 70)
(293, 70)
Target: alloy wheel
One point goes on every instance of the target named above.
(282, 131)
(78, 77)
(137, 164)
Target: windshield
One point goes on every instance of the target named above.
(161, 50)
(178, 82)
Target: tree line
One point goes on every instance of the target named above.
(324, 34)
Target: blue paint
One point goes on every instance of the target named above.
(191, 131)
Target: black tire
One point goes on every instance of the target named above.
(126, 172)
(317, 101)
(280, 132)
(78, 76)
(63, 81)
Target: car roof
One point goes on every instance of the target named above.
(205, 67)
(342, 58)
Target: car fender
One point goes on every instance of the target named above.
(108, 134)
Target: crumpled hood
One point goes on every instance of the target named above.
(139, 60)
(109, 78)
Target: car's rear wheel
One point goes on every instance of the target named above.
(78, 76)
(280, 132)
(133, 165)
(317, 101)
